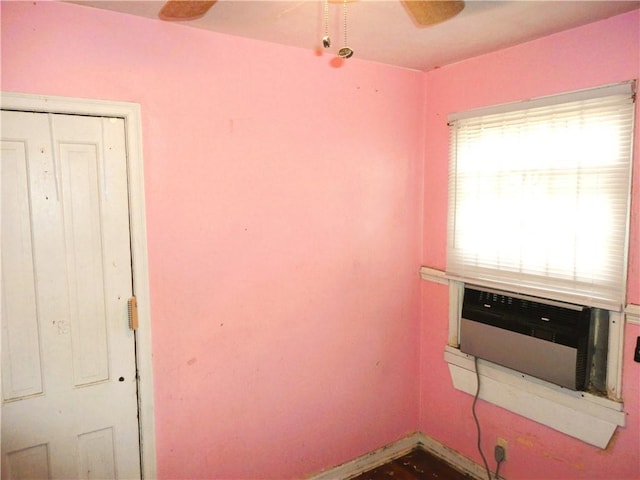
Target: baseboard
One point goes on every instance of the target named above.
(397, 449)
(453, 458)
(370, 460)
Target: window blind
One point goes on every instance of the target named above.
(539, 196)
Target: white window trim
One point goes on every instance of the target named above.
(620, 88)
(131, 114)
(632, 313)
(581, 415)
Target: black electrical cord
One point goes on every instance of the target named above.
(498, 469)
(475, 417)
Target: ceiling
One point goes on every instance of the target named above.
(382, 31)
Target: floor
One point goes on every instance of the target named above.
(416, 465)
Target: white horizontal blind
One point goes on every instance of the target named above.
(539, 197)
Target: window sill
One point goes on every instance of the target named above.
(581, 415)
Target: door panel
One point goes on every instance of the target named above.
(21, 345)
(31, 462)
(68, 358)
(85, 276)
(96, 451)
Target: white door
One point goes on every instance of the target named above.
(69, 398)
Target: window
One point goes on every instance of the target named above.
(539, 195)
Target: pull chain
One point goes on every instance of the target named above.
(326, 40)
(344, 20)
(345, 52)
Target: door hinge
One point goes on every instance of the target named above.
(133, 313)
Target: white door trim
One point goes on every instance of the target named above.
(133, 127)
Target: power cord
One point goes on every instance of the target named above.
(475, 417)
(499, 462)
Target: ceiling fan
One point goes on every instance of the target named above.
(423, 12)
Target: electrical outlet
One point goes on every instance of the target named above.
(501, 442)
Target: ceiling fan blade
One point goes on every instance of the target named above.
(428, 12)
(185, 9)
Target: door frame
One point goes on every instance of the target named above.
(131, 114)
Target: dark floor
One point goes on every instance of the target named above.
(416, 465)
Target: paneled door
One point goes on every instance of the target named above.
(69, 396)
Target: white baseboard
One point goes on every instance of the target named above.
(397, 449)
(370, 460)
(453, 458)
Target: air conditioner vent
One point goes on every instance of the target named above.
(541, 338)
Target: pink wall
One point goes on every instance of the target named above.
(600, 53)
(283, 210)
(283, 229)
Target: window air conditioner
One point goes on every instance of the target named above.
(545, 339)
